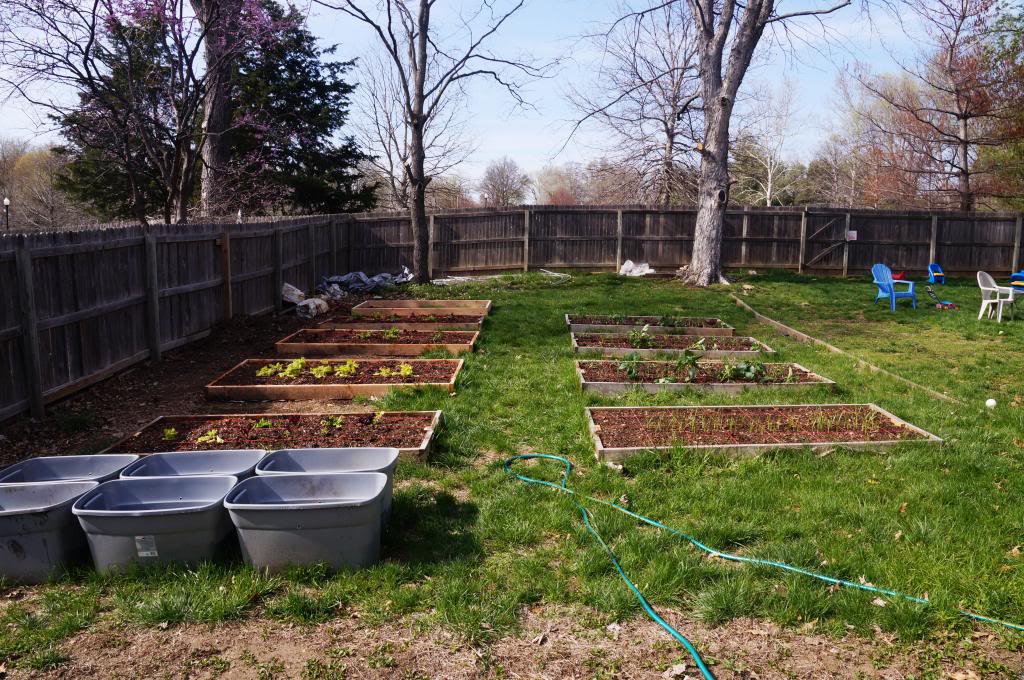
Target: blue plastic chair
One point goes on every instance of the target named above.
(887, 287)
(935, 274)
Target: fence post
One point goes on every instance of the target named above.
(152, 284)
(803, 241)
(1016, 246)
(225, 268)
(618, 240)
(846, 245)
(934, 242)
(743, 237)
(277, 255)
(350, 226)
(29, 329)
(313, 252)
(332, 226)
(526, 240)
(430, 247)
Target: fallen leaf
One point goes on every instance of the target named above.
(898, 535)
(540, 639)
(879, 602)
(1014, 551)
(614, 629)
(903, 508)
(963, 675)
(675, 671)
(162, 625)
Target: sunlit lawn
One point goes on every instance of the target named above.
(467, 547)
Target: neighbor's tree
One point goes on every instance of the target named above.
(561, 185)
(41, 204)
(835, 174)
(382, 131)
(644, 97)
(129, 80)
(949, 104)
(503, 184)
(760, 170)
(727, 35)
(431, 62)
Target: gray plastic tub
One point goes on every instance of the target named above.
(333, 461)
(301, 519)
(155, 519)
(38, 534)
(238, 463)
(95, 468)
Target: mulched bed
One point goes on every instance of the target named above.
(654, 427)
(667, 342)
(707, 372)
(400, 430)
(674, 321)
(366, 372)
(354, 337)
(412, 318)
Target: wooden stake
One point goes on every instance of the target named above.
(618, 240)
(526, 240)
(803, 241)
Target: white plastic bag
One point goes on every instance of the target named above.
(292, 294)
(309, 308)
(629, 268)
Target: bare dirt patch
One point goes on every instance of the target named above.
(553, 643)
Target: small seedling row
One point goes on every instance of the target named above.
(389, 307)
(416, 322)
(270, 380)
(647, 345)
(619, 432)
(664, 325)
(394, 343)
(616, 377)
(412, 432)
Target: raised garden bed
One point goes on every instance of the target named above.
(647, 345)
(412, 432)
(390, 343)
(266, 379)
(666, 325)
(614, 377)
(420, 307)
(621, 432)
(413, 322)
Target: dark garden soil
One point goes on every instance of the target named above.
(412, 318)
(368, 372)
(657, 427)
(707, 372)
(354, 337)
(674, 321)
(400, 430)
(667, 342)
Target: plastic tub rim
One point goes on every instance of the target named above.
(134, 456)
(47, 508)
(302, 505)
(262, 471)
(83, 512)
(135, 465)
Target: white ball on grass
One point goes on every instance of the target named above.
(991, 403)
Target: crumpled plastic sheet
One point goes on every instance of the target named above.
(630, 268)
(359, 282)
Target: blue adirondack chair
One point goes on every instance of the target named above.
(887, 287)
(935, 274)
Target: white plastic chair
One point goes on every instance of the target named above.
(994, 297)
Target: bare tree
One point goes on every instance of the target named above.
(11, 150)
(761, 173)
(644, 98)
(835, 175)
(727, 34)
(430, 64)
(504, 183)
(382, 131)
(945, 106)
(40, 204)
(561, 185)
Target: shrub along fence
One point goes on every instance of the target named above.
(78, 306)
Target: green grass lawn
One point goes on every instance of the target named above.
(467, 547)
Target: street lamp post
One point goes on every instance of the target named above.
(7, 214)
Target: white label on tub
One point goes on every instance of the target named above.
(145, 546)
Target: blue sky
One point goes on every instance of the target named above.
(550, 29)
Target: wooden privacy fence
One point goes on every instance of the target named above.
(78, 306)
(817, 240)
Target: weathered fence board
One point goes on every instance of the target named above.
(77, 306)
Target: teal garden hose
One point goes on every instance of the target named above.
(562, 487)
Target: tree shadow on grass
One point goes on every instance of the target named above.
(428, 526)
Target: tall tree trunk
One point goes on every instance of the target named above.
(964, 179)
(418, 207)
(219, 17)
(712, 193)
